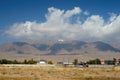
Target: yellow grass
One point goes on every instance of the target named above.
(58, 73)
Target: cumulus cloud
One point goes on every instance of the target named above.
(59, 25)
(86, 13)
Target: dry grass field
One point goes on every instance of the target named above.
(58, 73)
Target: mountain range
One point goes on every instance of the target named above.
(56, 48)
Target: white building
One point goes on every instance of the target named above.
(42, 62)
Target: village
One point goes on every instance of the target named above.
(76, 63)
(90, 63)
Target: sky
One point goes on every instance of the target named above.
(88, 20)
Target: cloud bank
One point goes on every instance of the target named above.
(67, 25)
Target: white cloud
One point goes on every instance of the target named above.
(70, 13)
(86, 13)
(58, 26)
(112, 16)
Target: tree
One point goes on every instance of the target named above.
(114, 61)
(95, 61)
(75, 61)
(15, 62)
(31, 61)
(25, 62)
(4, 61)
(50, 62)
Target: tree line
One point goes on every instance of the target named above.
(32, 61)
(5, 61)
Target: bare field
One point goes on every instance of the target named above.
(58, 73)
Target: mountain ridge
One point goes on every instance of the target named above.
(57, 47)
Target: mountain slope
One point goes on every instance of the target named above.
(67, 47)
(105, 47)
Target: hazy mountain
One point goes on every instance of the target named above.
(105, 47)
(69, 47)
(57, 50)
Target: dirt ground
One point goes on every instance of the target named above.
(58, 73)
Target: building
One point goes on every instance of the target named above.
(81, 64)
(65, 64)
(42, 62)
(110, 62)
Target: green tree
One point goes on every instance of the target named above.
(25, 62)
(31, 61)
(15, 62)
(95, 61)
(50, 62)
(5, 61)
(114, 61)
(75, 61)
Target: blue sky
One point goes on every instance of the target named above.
(33, 13)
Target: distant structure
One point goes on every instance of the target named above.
(65, 64)
(102, 61)
(110, 62)
(42, 62)
(61, 40)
